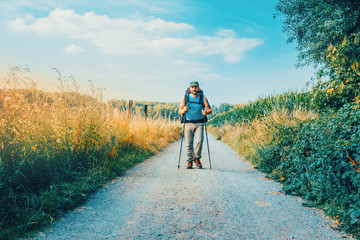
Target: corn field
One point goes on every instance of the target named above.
(263, 106)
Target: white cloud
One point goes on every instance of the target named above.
(226, 33)
(73, 49)
(141, 37)
(179, 62)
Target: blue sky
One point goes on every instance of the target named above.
(151, 50)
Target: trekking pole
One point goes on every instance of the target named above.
(182, 138)
(207, 141)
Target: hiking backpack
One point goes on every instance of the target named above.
(201, 94)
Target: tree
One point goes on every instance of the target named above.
(315, 24)
(327, 34)
(224, 107)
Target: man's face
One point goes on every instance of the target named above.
(194, 89)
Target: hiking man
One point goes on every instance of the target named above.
(194, 106)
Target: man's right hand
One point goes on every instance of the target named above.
(185, 108)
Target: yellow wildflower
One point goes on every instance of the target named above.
(330, 90)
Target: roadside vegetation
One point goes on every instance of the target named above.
(162, 110)
(58, 148)
(310, 140)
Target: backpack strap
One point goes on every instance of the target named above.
(201, 94)
(186, 98)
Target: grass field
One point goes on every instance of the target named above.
(57, 148)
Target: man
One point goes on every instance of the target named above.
(195, 107)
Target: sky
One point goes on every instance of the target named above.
(151, 50)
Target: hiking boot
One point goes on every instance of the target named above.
(189, 165)
(198, 163)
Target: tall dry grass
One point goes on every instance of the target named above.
(246, 137)
(57, 148)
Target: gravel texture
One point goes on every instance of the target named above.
(156, 200)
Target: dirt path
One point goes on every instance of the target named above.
(155, 200)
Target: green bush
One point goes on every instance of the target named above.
(319, 160)
(344, 71)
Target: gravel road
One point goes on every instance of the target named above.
(155, 200)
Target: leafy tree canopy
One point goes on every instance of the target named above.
(327, 34)
(315, 24)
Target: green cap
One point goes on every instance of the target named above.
(194, 83)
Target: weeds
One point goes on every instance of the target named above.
(247, 137)
(57, 148)
(314, 155)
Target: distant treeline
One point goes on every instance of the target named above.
(161, 109)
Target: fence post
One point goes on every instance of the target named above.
(146, 110)
(130, 108)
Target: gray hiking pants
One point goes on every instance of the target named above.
(194, 134)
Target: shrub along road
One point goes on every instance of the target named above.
(155, 200)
